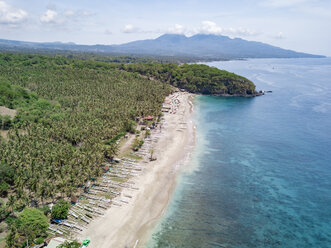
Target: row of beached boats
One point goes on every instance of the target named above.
(104, 193)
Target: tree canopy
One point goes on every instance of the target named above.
(73, 244)
(29, 225)
(195, 78)
(60, 210)
(69, 112)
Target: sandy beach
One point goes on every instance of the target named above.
(131, 224)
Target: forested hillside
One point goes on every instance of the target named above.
(195, 78)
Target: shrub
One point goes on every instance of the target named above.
(34, 220)
(6, 173)
(5, 122)
(130, 126)
(29, 225)
(39, 240)
(73, 244)
(4, 213)
(46, 210)
(60, 210)
(4, 187)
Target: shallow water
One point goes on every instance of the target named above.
(261, 170)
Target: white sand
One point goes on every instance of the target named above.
(131, 224)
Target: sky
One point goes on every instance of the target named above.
(301, 25)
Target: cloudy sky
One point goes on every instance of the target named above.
(302, 25)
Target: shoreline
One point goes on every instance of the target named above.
(132, 224)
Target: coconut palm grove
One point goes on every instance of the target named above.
(61, 117)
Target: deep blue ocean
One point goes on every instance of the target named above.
(260, 174)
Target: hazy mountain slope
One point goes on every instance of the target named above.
(200, 46)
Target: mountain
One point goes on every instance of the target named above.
(201, 46)
(208, 46)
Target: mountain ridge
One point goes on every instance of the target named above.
(204, 46)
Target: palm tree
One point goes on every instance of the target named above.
(61, 149)
(11, 203)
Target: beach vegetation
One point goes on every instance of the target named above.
(5, 122)
(70, 115)
(29, 225)
(4, 213)
(46, 210)
(130, 126)
(137, 144)
(72, 244)
(115, 139)
(195, 78)
(4, 187)
(60, 210)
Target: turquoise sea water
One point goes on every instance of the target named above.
(261, 171)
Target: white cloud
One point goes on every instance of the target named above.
(129, 28)
(208, 27)
(177, 29)
(49, 16)
(10, 14)
(283, 3)
(240, 32)
(65, 20)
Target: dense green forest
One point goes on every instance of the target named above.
(109, 57)
(195, 78)
(63, 126)
(132, 59)
(68, 114)
(69, 111)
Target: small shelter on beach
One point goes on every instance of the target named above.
(146, 119)
(105, 168)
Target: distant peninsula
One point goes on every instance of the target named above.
(195, 78)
